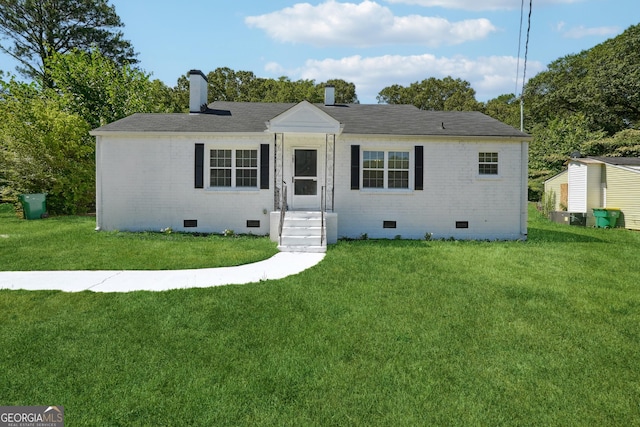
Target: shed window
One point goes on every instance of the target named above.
(488, 163)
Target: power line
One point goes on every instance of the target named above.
(519, 45)
(526, 46)
(526, 53)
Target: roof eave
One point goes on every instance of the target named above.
(170, 133)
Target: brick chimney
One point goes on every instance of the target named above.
(198, 91)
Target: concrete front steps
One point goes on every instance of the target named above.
(302, 232)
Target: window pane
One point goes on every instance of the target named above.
(398, 179)
(488, 163)
(488, 169)
(220, 163)
(220, 178)
(246, 178)
(247, 158)
(306, 163)
(305, 187)
(220, 158)
(398, 160)
(373, 159)
(373, 179)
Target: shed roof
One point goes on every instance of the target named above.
(366, 119)
(619, 161)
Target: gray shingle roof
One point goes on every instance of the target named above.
(366, 119)
(619, 161)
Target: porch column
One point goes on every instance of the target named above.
(278, 167)
(329, 170)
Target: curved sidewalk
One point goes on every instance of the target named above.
(280, 265)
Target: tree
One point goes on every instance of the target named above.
(345, 91)
(446, 94)
(603, 83)
(44, 149)
(553, 144)
(625, 143)
(285, 90)
(45, 144)
(394, 94)
(101, 91)
(505, 108)
(35, 30)
(226, 84)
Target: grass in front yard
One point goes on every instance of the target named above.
(70, 243)
(544, 332)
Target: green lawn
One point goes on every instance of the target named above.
(70, 243)
(544, 332)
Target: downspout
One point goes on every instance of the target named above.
(333, 179)
(524, 196)
(98, 183)
(275, 172)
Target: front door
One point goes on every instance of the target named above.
(306, 192)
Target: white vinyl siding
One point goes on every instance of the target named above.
(577, 188)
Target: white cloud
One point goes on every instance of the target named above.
(363, 25)
(479, 5)
(274, 68)
(489, 76)
(581, 32)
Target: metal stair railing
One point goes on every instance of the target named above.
(323, 207)
(283, 208)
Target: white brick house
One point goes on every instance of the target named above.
(379, 170)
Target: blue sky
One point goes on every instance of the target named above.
(372, 43)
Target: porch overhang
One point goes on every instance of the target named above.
(304, 118)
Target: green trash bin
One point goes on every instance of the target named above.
(34, 206)
(606, 217)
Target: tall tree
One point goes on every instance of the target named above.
(226, 84)
(505, 108)
(446, 94)
(100, 91)
(345, 91)
(603, 83)
(31, 31)
(625, 143)
(44, 149)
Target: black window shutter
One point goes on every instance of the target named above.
(419, 171)
(355, 167)
(264, 166)
(199, 166)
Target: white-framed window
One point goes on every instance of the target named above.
(488, 163)
(385, 169)
(233, 168)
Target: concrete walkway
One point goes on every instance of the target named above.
(280, 265)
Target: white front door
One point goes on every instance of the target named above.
(306, 185)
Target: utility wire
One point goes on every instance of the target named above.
(526, 46)
(519, 45)
(526, 53)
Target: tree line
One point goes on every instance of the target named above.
(83, 74)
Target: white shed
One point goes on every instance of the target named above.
(605, 182)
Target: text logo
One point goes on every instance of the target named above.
(31, 416)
